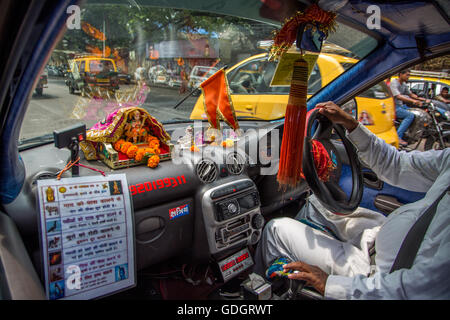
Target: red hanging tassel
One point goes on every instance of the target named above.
(289, 173)
(322, 161)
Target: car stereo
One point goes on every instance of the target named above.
(239, 205)
(232, 215)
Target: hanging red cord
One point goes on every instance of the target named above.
(291, 153)
(322, 160)
(70, 164)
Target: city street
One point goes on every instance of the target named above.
(56, 108)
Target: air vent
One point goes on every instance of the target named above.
(207, 171)
(42, 175)
(235, 163)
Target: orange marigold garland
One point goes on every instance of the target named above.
(154, 144)
(151, 138)
(118, 144)
(153, 161)
(139, 155)
(125, 146)
(131, 152)
(323, 20)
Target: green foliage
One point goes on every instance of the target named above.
(129, 26)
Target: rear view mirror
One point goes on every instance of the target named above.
(309, 40)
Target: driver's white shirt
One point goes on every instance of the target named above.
(429, 277)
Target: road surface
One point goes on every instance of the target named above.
(58, 109)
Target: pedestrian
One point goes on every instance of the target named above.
(184, 81)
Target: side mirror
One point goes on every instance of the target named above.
(351, 108)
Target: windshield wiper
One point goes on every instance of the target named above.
(36, 141)
(185, 98)
(177, 121)
(249, 118)
(192, 92)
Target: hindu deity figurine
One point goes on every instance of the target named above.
(134, 129)
(50, 194)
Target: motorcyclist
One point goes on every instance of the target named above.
(403, 95)
(443, 96)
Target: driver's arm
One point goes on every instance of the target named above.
(414, 171)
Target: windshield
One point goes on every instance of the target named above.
(157, 51)
(101, 66)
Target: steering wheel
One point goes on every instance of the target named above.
(329, 193)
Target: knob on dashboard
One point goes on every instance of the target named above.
(257, 221)
(232, 208)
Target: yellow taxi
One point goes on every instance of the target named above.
(254, 98)
(92, 71)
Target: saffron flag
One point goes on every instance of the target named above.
(92, 31)
(217, 101)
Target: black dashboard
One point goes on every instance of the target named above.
(227, 206)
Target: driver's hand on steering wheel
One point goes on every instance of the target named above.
(337, 115)
(313, 275)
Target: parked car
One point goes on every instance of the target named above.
(123, 77)
(42, 83)
(200, 74)
(256, 98)
(158, 74)
(92, 71)
(175, 80)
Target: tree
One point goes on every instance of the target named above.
(132, 27)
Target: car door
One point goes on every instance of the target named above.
(18, 277)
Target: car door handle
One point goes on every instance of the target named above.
(386, 204)
(371, 180)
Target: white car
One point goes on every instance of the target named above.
(158, 74)
(200, 74)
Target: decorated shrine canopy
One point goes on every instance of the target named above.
(112, 128)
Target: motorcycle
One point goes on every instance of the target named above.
(430, 126)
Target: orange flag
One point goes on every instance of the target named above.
(92, 31)
(217, 101)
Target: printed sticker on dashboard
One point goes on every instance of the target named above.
(178, 211)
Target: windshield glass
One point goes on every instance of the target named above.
(101, 66)
(129, 54)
